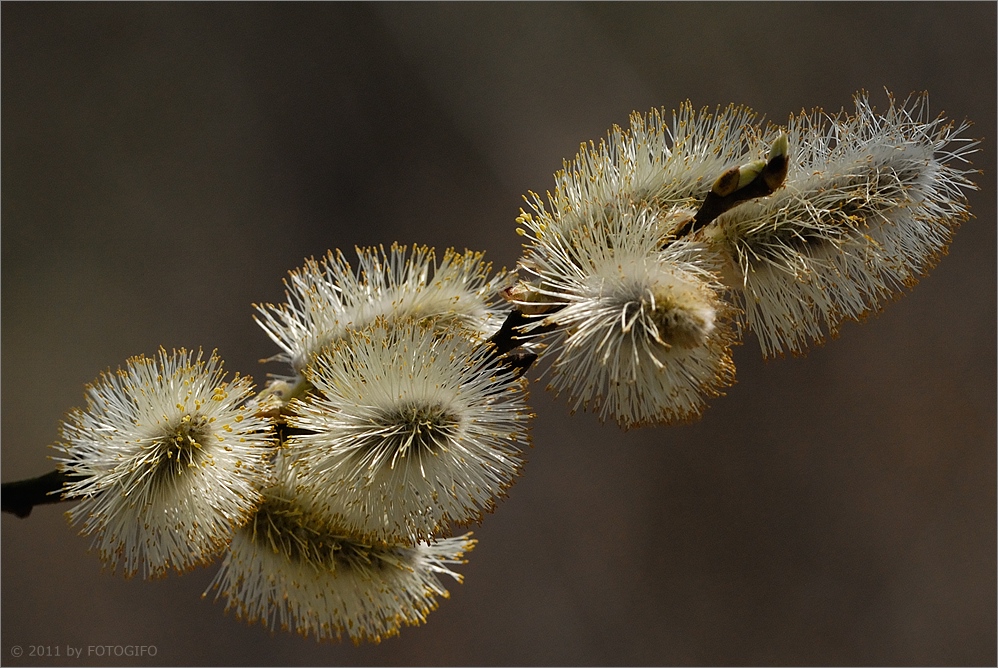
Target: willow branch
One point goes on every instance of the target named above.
(19, 498)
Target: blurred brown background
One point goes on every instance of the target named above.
(165, 165)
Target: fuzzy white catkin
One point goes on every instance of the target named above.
(639, 331)
(291, 568)
(638, 328)
(408, 429)
(667, 161)
(870, 203)
(327, 298)
(166, 461)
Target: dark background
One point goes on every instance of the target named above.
(165, 165)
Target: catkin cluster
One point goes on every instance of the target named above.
(661, 246)
(330, 495)
(333, 494)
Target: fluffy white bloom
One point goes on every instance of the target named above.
(409, 430)
(870, 203)
(640, 333)
(664, 160)
(327, 298)
(166, 460)
(290, 567)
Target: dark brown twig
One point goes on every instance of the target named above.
(18, 498)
